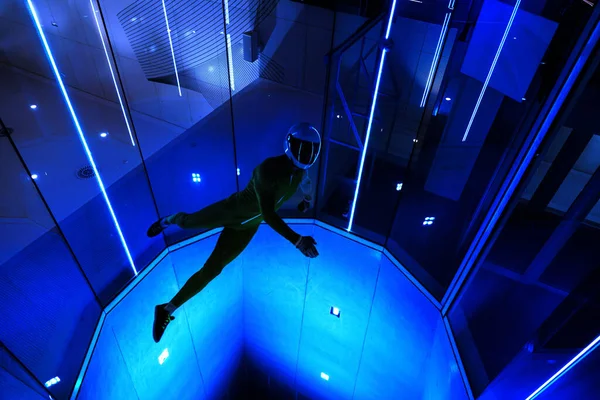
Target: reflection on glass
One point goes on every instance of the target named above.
(49, 308)
(531, 310)
(460, 146)
(277, 74)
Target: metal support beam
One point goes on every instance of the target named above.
(575, 215)
(560, 168)
(349, 115)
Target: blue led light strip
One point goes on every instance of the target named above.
(366, 145)
(227, 12)
(491, 71)
(436, 57)
(582, 354)
(79, 130)
(230, 57)
(389, 24)
(371, 115)
(171, 44)
(112, 74)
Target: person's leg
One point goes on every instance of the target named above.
(213, 216)
(230, 244)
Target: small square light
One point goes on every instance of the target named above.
(52, 381)
(196, 178)
(238, 172)
(324, 376)
(334, 311)
(399, 187)
(428, 221)
(163, 356)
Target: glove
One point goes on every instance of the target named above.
(306, 244)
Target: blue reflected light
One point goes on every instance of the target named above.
(163, 356)
(112, 74)
(436, 58)
(79, 130)
(52, 381)
(238, 172)
(324, 376)
(582, 354)
(491, 71)
(196, 178)
(171, 44)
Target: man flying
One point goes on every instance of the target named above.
(273, 182)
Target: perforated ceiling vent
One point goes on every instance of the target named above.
(86, 172)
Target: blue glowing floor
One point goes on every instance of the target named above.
(263, 329)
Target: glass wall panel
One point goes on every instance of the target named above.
(503, 61)
(82, 148)
(277, 81)
(49, 308)
(15, 381)
(353, 70)
(171, 60)
(534, 303)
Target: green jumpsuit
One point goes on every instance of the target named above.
(273, 182)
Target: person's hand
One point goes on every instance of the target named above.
(307, 245)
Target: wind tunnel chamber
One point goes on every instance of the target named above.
(455, 203)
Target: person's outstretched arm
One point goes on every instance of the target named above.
(267, 202)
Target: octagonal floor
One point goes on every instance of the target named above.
(263, 328)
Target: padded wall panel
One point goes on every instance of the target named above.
(12, 388)
(214, 316)
(107, 376)
(441, 376)
(179, 376)
(398, 340)
(49, 312)
(344, 276)
(274, 288)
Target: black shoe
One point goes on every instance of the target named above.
(155, 229)
(161, 320)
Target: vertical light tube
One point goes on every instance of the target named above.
(79, 130)
(491, 71)
(371, 115)
(365, 147)
(230, 58)
(582, 354)
(436, 57)
(112, 74)
(171, 44)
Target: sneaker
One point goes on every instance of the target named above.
(155, 229)
(161, 321)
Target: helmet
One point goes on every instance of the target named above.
(302, 145)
